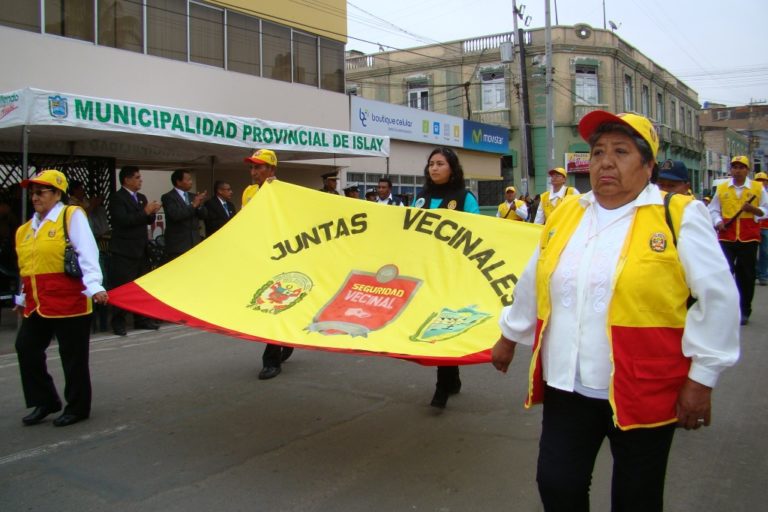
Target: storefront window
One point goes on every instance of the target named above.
(21, 14)
(69, 18)
(276, 43)
(243, 52)
(167, 28)
(121, 24)
(206, 35)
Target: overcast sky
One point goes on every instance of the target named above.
(717, 47)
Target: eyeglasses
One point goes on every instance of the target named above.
(40, 191)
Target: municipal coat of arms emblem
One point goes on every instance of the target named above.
(281, 292)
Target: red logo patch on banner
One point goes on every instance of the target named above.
(366, 302)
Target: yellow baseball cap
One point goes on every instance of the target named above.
(510, 188)
(761, 176)
(263, 156)
(639, 124)
(52, 177)
(558, 170)
(740, 160)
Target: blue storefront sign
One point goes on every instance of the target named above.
(486, 137)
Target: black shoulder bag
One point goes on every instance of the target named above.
(71, 263)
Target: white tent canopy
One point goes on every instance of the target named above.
(63, 123)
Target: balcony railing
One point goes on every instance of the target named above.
(580, 111)
(480, 44)
(495, 117)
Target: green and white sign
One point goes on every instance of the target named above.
(35, 107)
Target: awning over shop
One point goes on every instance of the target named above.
(74, 124)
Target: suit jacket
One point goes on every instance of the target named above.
(182, 223)
(215, 215)
(129, 224)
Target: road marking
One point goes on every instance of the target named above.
(50, 448)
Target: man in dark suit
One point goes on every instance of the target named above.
(183, 213)
(219, 209)
(131, 213)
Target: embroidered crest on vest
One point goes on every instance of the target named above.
(451, 204)
(658, 242)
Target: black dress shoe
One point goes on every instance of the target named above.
(119, 330)
(440, 399)
(68, 419)
(285, 353)
(269, 372)
(39, 414)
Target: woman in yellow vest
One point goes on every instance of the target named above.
(55, 304)
(616, 352)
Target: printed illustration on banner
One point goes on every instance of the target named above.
(366, 302)
(449, 323)
(58, 106)
(281, 292)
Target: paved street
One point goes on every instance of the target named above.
(180, 423)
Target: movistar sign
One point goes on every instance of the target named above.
(486, 137)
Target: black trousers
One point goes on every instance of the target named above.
(573, 428)
(73, 335)
(448, 379)
(123, 269)
(742, 258)
(275, 354)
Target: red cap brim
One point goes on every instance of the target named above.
(590, 122)
(251, 160)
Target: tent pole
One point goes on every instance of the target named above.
(24, 169)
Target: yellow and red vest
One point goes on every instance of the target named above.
(744, 228)
(48, 290)
(646, 316)
(505, 213)
(547, 205)
(249, 192)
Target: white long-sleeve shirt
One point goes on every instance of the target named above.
(554, 198)
(714, 206)
(81, 238)
(575, 346)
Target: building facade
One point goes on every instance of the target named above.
(592, 69)
(277, 61)
(751, 121)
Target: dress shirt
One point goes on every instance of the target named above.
(554, 198)
(714, 204)
(184, 196)
(575, 346)
(81, 238)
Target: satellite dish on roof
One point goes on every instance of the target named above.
(613, 25)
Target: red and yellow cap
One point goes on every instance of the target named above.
(741, 159)
(51, 177)
(639, 124)
(263, 156)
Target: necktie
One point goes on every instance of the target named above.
(226, 209)
(135, 198)
(186, 198)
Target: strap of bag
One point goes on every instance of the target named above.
(509, 209)
(668, 216)
(66, 221)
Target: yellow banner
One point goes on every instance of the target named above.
(303, 268)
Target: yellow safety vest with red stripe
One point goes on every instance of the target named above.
(48, 290)
(505, 213)
(646, 316)
(547, 205)
(744, 228)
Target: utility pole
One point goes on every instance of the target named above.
(548, 88)
(522, 107)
